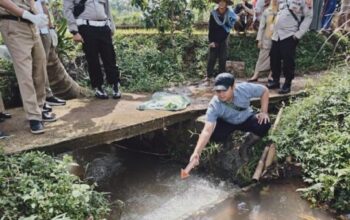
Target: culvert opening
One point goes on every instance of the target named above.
(143, 173)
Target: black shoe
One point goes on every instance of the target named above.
(5, 115)
(3, 135)
(273, 85)
(54, 101)
(285, 89)
(47, 108)
(116, 91)
(100, 93)
(36, 127)
(48, 117)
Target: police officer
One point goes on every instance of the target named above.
(292, 22)
(94, 28)
(19, 32)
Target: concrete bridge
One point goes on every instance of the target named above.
(91, 122)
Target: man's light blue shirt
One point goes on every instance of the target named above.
(237, 111)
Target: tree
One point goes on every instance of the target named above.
(170, 15)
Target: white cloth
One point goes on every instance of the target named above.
(39, 7)
(39, 20)
(54, 38)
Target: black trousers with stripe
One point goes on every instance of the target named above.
(98, 43)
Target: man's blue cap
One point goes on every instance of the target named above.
(223, 81)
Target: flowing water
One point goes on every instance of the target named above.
(151, 188)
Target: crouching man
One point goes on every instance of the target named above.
(230, 110)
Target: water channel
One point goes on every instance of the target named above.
(151, 189)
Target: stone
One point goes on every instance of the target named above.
(236, 68)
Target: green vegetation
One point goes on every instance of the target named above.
(315, 132)
(36, 186)
(149, 62)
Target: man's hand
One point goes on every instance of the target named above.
(78, 38)
(259, 45)
(295, 39)
(54, 37)
(212, 45)
(263, 118)
(195, 156)
(39, 20)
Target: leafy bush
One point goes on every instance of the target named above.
(36, 186)
(315, 131)
(144, 67)
(149, 61)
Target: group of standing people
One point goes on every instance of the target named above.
(31, 39)
(282, 25)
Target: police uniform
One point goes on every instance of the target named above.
(96, 27)
(292, 22)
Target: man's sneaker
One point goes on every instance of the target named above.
(273, 85)
(116, 91)
(54, 101)
(36, 127)
(47, 108)
(100, 93)
(5, 115)
(48, 117)
(3, 135)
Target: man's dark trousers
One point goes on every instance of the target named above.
(214, 53)
(98, 43)
(283, 50)
(223, 129)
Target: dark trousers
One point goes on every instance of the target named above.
(283, 50)
(98, 43)
(223, 129)
(218, 52)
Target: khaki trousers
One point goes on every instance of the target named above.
(2, 107)
(59, 80)
(47, 42)
(29, 61)
(263, 63)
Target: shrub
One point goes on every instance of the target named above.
(315, 131)
(37, 186)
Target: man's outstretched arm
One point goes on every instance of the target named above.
(203, 140)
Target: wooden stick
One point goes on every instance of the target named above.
(260, 167)
(272, 151)
(278, 119)
(270, 156)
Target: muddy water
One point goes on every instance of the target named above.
(273, 201)
(151, 189)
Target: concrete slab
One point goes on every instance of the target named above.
(91, 122)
